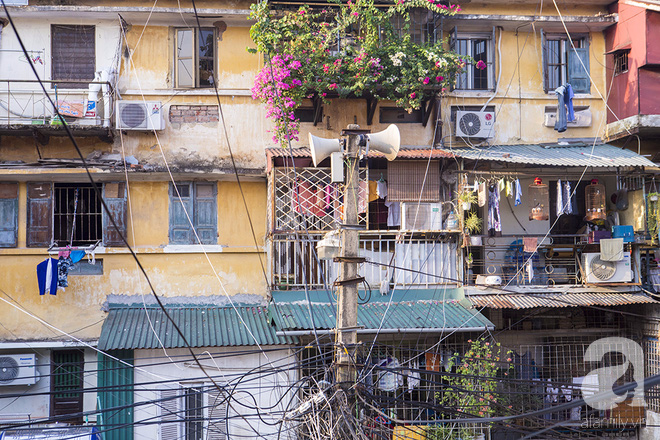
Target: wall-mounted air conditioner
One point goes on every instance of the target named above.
(582, 118)
(475, 124)
(18, 369)
(138, 115)
(421, 216)
(600, 271)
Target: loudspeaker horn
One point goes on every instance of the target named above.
(387, 141)
(322, 148)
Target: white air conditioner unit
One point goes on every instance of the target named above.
(18, 369)
(600, 271)
(475, 124)
(138, 115)
(421, 216)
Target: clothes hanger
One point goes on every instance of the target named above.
(381, 178)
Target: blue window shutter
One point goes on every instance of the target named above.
(206, 212)
(180, 228)
(578, 77)
(8, 214)
(39, 214)
(114, 195)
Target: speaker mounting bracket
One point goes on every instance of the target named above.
(372, 103)
(427, 108)
(317, 103)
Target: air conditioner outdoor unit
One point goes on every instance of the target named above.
(599, 271)
(421, 216)
(138, 115)
(475, 124)
(18, 369)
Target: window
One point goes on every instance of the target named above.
(564, 64)
(8, 214)
(422, 25)
(193, 412)
(66, 384)
(480, 48)
(197, 204)
(195, 58)
(72, 214)
(621, 62)
(73, 54)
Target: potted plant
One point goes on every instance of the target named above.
(466, 199)
(472, 226)
(653, 215)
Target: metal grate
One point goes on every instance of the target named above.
(77, 217)
(312, 201)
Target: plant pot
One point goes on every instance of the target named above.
(475, 240)
(653, 198)
(466, 206)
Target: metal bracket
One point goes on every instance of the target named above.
(357, 280)
(349, 260)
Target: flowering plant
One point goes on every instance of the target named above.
(472, 386)
(348, 49)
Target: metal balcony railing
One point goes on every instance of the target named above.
(554, 261)
(24, 103)
(400, 260)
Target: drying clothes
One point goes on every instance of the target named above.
(76, 256)
(611, 249)
(45, 276)
(63, 266)
(518, 193)
(507, 188)
(393, 214)
(530, 271)
(373, 190)
(317, 203)
(568, 198)
(494, 224)
(481, 195)
(381, 189)
(389, 380)
(564, 105)
(302, 198)
(560, 199)
(529, 244)
(500, 185)
(414, 378)
(64, 253)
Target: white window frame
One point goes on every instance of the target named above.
(468, 72)
(194, 57)
(174, 413)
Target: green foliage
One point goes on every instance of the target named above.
(348, 49)
(653, 214)
(472, 388)
(473, 223)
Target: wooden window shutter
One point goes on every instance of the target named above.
(114, 195)
(544, 60)
(170, 415)
(206, 212)
(218, 407)
(39, 214)
(73, 50)
(180, 227)
(578, 74)
(8, 214)
(406, 181)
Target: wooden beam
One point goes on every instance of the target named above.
(372, 103)
(427, 109)
(318, 109)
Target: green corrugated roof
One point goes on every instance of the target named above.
(407, 310)
(129, 328)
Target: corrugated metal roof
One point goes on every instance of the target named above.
(603, 155)
(404, 153)
(528, 301)
(400, 315)
(129, 328)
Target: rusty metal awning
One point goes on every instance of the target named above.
(533, 300)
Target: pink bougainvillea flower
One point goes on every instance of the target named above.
(438, 78)
(332, 86)
(356, 13)
(412, 95)
(481, 65)
(426, 80)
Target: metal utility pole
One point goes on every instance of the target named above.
(348, 273)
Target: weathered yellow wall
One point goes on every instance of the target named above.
(173, 271)
(520, 101)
